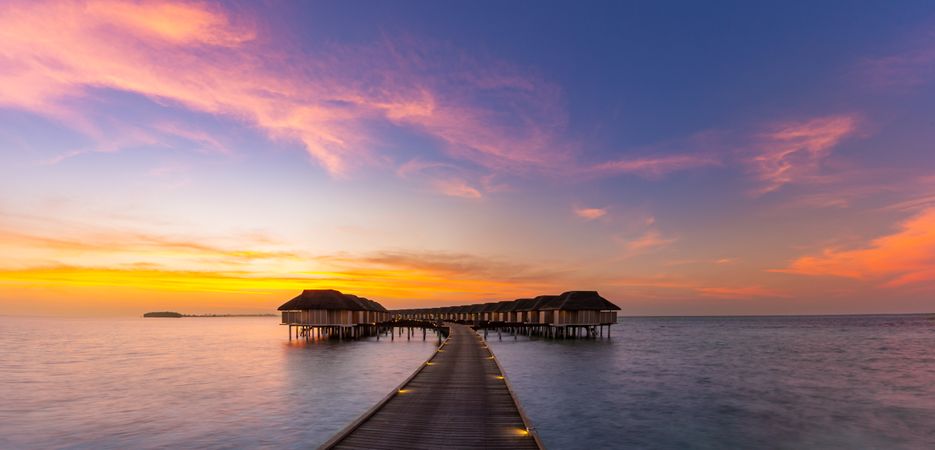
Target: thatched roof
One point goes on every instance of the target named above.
(488, 307)
(542, 301)
(504, 306)
(579, 300)
(377, 306)
(524, 304)
(476, 308)
(364, 303)
(330, 299)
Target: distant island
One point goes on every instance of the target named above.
(163, 314)
(174, 314)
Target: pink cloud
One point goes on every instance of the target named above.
(206, 59)
(457, 188)
(443, 178)
(793, 152)
(651, 239)
(906, 256)
(590, 213)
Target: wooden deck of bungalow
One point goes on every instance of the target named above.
(458, 399)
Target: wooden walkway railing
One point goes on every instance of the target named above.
(459, 398)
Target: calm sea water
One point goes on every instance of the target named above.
(659, 383)
(855, 382)
(186, 383)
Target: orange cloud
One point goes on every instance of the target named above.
(793, 152)
(590, 213)
(175, 22)
(902, 258)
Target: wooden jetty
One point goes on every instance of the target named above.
(458, 399)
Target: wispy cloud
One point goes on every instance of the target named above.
(653, 167)
(444, 178)
(590, 213)
(738, 292)
(115, 245)
(901, 258)
(450, 264)
(649, 240)
(211, 60)
(456, 188)
(794, 152)
(912, 65)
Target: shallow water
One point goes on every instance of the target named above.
(844, 382)
(186, 383)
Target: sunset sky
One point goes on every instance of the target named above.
(678, 157)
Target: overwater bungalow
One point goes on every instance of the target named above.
(521, 310)
(372, 312)
(451, 313)
(579, 310)
(486, 313)
(330, 312)
(502, 311)
(461, 313)
(571, 314)
(475, 312)
(536, 314)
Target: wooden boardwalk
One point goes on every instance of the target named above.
(458, 399)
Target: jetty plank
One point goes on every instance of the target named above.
(458, 399)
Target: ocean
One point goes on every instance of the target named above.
(835, 382)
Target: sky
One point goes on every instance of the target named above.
(681, 158)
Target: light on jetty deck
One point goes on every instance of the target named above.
(458, 399)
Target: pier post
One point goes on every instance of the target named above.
(290, 332)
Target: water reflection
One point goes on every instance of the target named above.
(208, 383)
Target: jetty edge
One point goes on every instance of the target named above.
(330, 443)
(458, 398)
